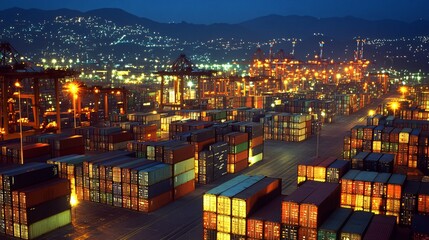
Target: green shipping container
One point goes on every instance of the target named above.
(184, 178)
(46, 225)
(239, 148)
(183, 166)
(155, 174)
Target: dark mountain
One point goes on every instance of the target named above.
(108, 35)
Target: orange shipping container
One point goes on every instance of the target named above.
(307, 233)
(238, 157)
(423, 198)
(256, 141)
(317, 206)
(255, 228)
(184, 189)
(149, 205)
(237, 167)
(290, 204)
(209, 220)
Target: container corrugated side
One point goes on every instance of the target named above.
(224, 200)
(46, 225)
(381, 228)
(331, 227)
(357, 225)
(263, 191)
(210, 197)
(155, 174)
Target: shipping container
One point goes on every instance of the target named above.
(250, 199)
(358, 159)
(371, 162)
(45, 225)
(409, 202)
(423, 198)
(265, 222)
(355, 228)
(318, 205)
(210, 197)
(224, 200)
(419, 227)
(320, 169)
(42, 192)
(381, 228)
(337, 170)
(386, 162)
(330, 229)
(291, 203)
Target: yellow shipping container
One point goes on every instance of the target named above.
(223, 205)
(359, 202)
(404, 137)
(319, 174)
(223, 223)
(223, 236)
(238, 226)
(376, 146)
(367, 203)
(393, 205)
(209, 202)
(347, 200)
(238, 207)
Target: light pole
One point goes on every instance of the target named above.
(318, 125)
(21, 160)
(74, 89)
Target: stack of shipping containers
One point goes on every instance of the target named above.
(238, 151)
(394, 194)
(249, 200)
(266, 222)
(218, 204)
(288, 127)
(291, 208)
(255, 139)
(315, 209)
(212, 163)
(60, 144)
(316, 170)
(33, 152)
(423, 199)
(34, 200)
(409, 202)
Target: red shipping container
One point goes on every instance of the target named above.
(236, 138)
(178, 153)
(39, 193)
(199, 146)
(209, 220)
(36, 150)
(184, 189)
(150, 205)
(238, 157)
(238, 166)
(256, 141)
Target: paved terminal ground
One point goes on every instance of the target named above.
(182, 219)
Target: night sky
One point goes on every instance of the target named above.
(234, 11)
